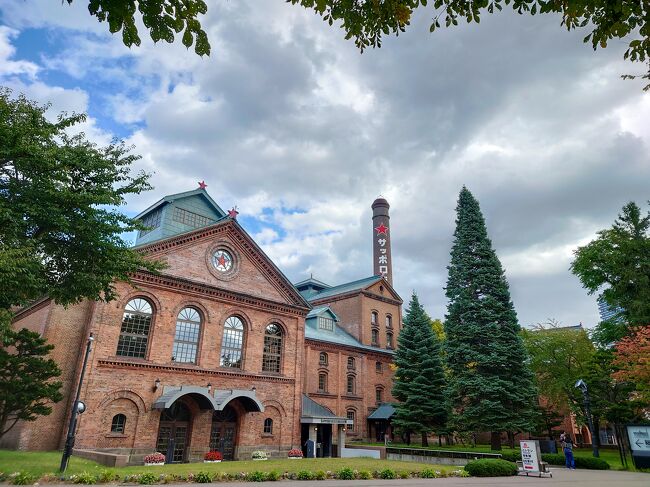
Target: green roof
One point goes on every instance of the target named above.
(344, 288)
(337, 336)
(384, 411)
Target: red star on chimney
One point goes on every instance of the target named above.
(382, 229)
(202, 185)
(232, 213)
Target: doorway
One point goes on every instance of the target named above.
(173, 432)
(223, 436)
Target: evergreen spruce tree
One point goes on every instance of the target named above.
(491, 387)
(419, 378)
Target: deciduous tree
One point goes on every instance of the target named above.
(490, 384)
(60, 227)
(618, 263)
(632, 357)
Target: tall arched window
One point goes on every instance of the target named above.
(379, 395)
(268, 426)
(373, 318)
(351, 414)
(322, 382)
(351, 384)
(186, 339)
(379, 368)
(118, 424)
(389, 340)
(389, 321)
(232, 343)
(272, 348)
(352, 363)
(323, 359)
(375, 336)
(134, 334)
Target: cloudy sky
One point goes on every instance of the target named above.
(289, 122)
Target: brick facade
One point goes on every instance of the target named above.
(253, 290)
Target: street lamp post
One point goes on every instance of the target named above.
(78, 407)
(585, 394)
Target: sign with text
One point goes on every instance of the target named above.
(530, 455)
(639, 438)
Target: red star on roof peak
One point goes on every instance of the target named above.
(232, 213)
(202, 185)
(382, 229)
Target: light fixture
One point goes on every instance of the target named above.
(156, 384)
(254, 388)
(209, 387)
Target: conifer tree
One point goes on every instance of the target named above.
(419, 378)
(491, 387)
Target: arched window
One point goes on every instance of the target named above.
(375, 336)
(351, 363)
(389, 321)
(350, 385)
(379, 368)
(374, 318)
(379, 395)
(232, 343)
(268, 426)
(272, 349)
(322, 382)
(134, 334)
(351, 414)
(118, 423)
(323, 359)
(186, 339)
(389, 340)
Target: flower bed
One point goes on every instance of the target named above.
(154, 459)
(260, 455)
(295, 454)
(213, 457)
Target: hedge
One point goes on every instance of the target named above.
(589, 463)
(491, 468)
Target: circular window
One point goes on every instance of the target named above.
(222, 260)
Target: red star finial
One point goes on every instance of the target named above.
(381, 229)
(232, 213)
(222, 261)
(202, 185)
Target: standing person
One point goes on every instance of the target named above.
(568, 453)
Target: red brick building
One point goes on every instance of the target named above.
(220, 351)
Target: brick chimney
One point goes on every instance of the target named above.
(382, 260)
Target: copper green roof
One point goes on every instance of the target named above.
(384, 411)
(344, 288)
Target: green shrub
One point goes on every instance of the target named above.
(85, 478)
(404, 474)
(105, 475)
(387, 473)
(491, 468)
(345, 474)
(273, 476)
(256, 476)
(305, 475)
(591, 463)
(320, 475)
(203, 478)
(364, 475)
(511, 456)
(429, 473)
(553, 458)
(23, 478)
(148, 478)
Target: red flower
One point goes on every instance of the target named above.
(213, 455)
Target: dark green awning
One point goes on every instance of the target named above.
(383, 412)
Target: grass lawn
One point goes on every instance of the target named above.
(41, 463)
(610, 456)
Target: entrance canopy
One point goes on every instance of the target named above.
(384, 412)
(206, 400)
(314, 413)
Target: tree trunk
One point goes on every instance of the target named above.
(495, 441)
(408, 438)
(439, 440)
(511, 439)
(425, 440)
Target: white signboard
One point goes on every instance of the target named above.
(639, 438)
(530, 455)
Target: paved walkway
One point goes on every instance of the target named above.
(561, 478)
